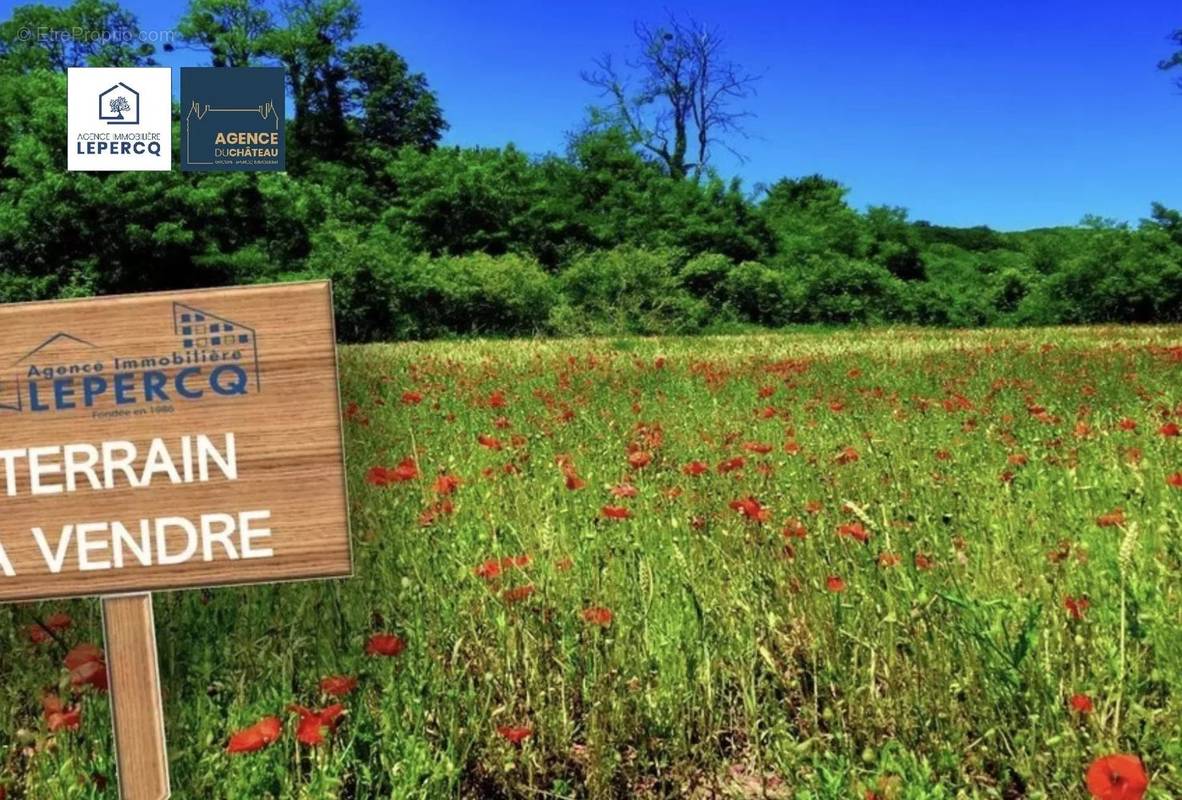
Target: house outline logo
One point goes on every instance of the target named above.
(57, 337)
(210, 355)
(266, 111)
(111, 110)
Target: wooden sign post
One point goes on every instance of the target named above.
(167, 441)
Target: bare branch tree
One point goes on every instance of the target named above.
(679, 98)
(1176, 59)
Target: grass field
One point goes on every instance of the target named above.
(871, 565)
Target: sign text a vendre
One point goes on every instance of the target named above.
(167, 441)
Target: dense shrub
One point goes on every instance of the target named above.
(627, 289)
(844, 290)
(480, 294)
(761, 294)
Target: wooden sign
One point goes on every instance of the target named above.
(167, 441)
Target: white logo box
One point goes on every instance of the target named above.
(119, 119)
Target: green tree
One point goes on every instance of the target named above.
(392, 105)
(810, 217)
(894, 242)
(91, 33)
(311, 44)
(232, 31)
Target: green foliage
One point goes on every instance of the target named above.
(231, 30)
(761, 294)
(92, 33)
(480, 294)
(601, 238)
(393, 106)
(628, 289)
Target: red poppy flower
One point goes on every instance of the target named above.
(615, 512)
(489, 569)
(91, 673)
(854, 530)
(574, 482)
(848, 455)
(256, 737)
(795, 529)
(1112, 519)
(624, 490)
(791, 447)
(1175, 480)
(83, 654)
(757, 447)
(411, 398)
(1127, 424)
(384, 644)
(1117, 777)
(518, 593)
(353, 413)
(376, 476)
(598, 615)
(314, 724)
(446, 484)
(433, 512)
(1170, 429)
(731, 464)
(1081, 703)
(493, 568)
(639, 459)
(813, 507)
(751, 508)
(491, 442)
(1076, 606)
(695, 468)
(835, 584)
(37, 634)
(58, 622)
(406, 470)
(886, 560)
(514, 734)
(338, 685)
(497, 399)
(59, 716)
(923, 562)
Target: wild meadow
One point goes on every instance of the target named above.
(893, 565)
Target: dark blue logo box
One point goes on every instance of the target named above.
(232, 119)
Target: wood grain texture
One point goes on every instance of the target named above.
(287, 428)
(136, 709)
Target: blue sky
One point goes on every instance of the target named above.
(1011, 114)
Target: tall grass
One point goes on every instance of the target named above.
(944, 667)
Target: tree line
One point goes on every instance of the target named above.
(630, 229)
